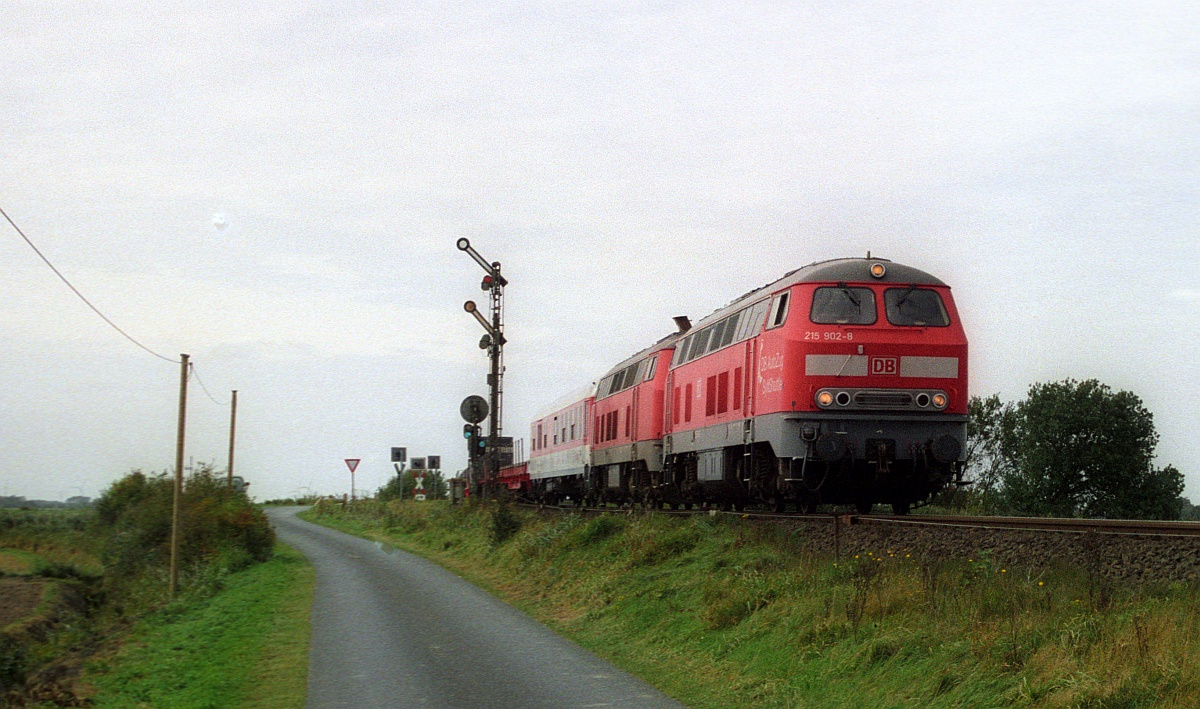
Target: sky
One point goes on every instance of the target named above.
(276, 190)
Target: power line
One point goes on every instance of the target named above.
(96, 310)
(194, 373)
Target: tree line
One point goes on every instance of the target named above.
(1069, 449)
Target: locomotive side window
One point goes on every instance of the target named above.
(921, 307)
(718, 331)
(731, 324)
(779, 310)
(756, 317)
(701, 344)
(651, 368)
(841, 305)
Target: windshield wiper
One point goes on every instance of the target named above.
(850, 294)
(907, 293)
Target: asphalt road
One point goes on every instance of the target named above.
(390, 629)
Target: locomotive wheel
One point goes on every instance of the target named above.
(900, 508)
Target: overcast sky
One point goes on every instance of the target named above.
(626, 162)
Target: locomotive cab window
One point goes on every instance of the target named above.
(779, 310)
(920, 307)
(842, 305)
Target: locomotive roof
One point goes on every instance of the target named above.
(664, 343)
(841, 270)
(566, 401)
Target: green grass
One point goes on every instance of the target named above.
(59, 537)
(246, 646)
(722, 613)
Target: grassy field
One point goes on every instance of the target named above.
(231, 639)
(247, 646)
(722, 613)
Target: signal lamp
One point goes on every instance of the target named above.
(824, 399)
(878, 270)
(939, 400)
(487, 283)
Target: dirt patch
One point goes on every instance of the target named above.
(18, 599)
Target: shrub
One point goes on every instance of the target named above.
(504, 525)
(218, 526)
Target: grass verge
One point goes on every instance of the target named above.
(246, 646)
(719, 612)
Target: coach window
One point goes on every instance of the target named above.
(921, 307)
(779, 310)
(842, 305)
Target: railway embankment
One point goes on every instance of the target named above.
(722, 611)
(1131, 558)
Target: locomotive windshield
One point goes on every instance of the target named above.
(915, 306)
(841, 305)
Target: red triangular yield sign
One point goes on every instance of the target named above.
(352, 463)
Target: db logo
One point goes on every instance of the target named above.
(887, 366)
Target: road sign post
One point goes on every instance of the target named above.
(352, 463)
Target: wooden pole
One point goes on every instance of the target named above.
(173, 584)
(232, 428)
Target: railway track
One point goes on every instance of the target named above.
(1151, 528)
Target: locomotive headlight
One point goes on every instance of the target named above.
(878, 270)
(824, 398)
(939, 400)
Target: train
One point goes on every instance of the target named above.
(842, 383)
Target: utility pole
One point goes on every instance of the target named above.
(232, 428)
(173, 583)
(493, 342)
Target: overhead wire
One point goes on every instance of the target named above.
(196, 375)
(82, 297)
(36, 250)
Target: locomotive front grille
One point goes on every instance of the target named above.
(917, 400)
(883, 400)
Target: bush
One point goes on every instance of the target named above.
(504, 525)
(218, 526)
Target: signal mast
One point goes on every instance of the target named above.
(493, 341)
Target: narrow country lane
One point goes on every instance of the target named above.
(390, 629)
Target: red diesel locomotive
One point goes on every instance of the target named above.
(843, 382)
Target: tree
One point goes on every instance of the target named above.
(403, 486)
(987, 420)
(1078, 448)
